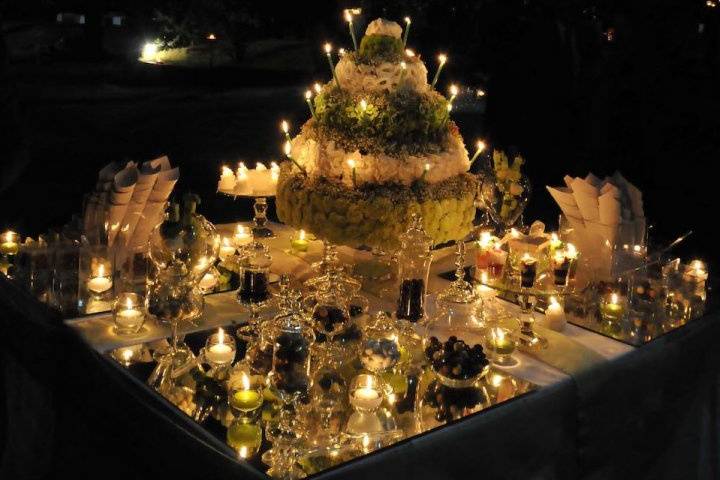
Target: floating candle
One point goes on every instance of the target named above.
(300, 243)
(243, 397)
(208, 281)
(100, 281)
(365, 395)
(220, 349)
(243, 236)
(128, 315)
(227, 249)
(612, 308)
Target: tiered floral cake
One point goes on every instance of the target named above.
(379, 147)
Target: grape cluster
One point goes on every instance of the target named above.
(330, 319)
(254, 287)
(291, 353)
(380, 354)
(455, 359)
(451, 403)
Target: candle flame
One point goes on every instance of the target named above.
(348, 16)
(570, 251)
(127, 354)
(499, 334)
(514, 233)
(9, 235)
(285, 126)
(308, 94)
(363, 104)
(553, 300)
(351, 163)
(403, 65)
(480, 146)
(341, 51)
(442, 58)
(449, 107)
(245, 380)
(480, 92)
(454, 90)
(101, 270)
(328, 48)
(407, 20)
(129, 303)
(243, 452)
(260, 167)
(221, 336)
(226, 171)
(427, 167)
(614, 298)
(409, 52)
(365, 441)
(211, 36)
(301, 235)
(317, 87)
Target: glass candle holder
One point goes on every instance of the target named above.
(99, 282)
(560, 265)
(299, 243)
(612, 307)
(365, 393)
(245, 392)
(220, 349)
(9, 243)
(695, 274)
(227, 249)
(501, 342)
(528, 271)
(209, 281)
(128, 314)
(242, 237)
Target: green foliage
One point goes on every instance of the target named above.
(379, 48)
(403, 121)
(376, 215)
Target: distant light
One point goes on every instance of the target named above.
(480, 92)
(211, 37)
(149, 51)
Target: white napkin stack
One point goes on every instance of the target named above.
(603, 214)
(130, 200)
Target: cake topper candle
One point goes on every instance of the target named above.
(308, 99)
(328, 52)
(480, 147)
(407, 31)
(442, 59)
(349, 18)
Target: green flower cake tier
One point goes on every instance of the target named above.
(380, 147)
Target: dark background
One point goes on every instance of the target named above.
(575, 86)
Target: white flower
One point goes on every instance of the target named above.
(380, 26)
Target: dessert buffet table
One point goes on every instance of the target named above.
(589, 406)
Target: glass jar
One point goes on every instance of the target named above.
(414, 261)
(290, 378)
(381, 348)
(459, 308)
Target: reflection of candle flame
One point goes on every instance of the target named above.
(553, 300)
(127, 355)
(129, 303)
(101, 270)
(243, 452)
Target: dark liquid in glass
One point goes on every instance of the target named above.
(411, 304)
(253, 287)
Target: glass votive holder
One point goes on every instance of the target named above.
(99, 281)
(300, 243)
(245, 437)
(501, 343)
(613, 307)
(227, 249)
(128, 314)
(9, 243)
(245, 392)
(219, 349)
(209, 281)
(365, 393)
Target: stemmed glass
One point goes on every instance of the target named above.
(290, 381)
(504, 198)
(254, 291)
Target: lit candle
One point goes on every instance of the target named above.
(409, 53)
(453, 93)
(480, 146)
(328, 52)
(612, 308)
(349, 19)
(696, 272)
(501, 341)
(227, 180)
(243, 397)
(308, 100)
(528, 271)
(274, 173)
(127, 314)
(318, 88)
(227, 249)
(442, 58)
(100, 281)
(365, 395)
(220, 350)
(242, 185)
(10, 244)
(426, 169)
(407, 31)
(285, 127)
(351, 164)
(287, 148)
(208, 281)
(300, 243)
(555, 318)
(242, 236)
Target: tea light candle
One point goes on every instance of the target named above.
(208, 281)
(555, 318)
(227, 249)
(10, 244)
(612, 308)
(100, 281)
(365, 395)
(243, 397)
(227, 180)
(242, 183)
(220, 349)
(242, 236)
(300, 243)
(128, 315)
(528, 271)
(501, 343)
(696, 272)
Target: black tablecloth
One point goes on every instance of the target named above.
(652, 413)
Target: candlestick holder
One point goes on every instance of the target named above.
(529, 339)
(260, 228)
